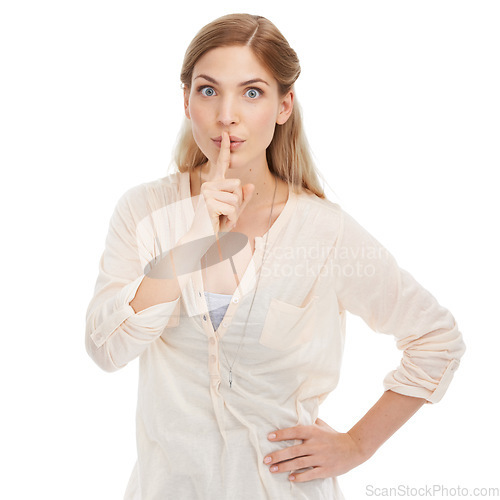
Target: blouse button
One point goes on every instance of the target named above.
(213, 358)
(212, 341)
(224, 323)
(236, 300)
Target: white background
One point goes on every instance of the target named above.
(401, 108)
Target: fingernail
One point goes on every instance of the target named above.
(267, 460)
(271, 436)
(291, 478)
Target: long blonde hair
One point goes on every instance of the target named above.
(288, 154)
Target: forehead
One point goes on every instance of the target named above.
(232, 65)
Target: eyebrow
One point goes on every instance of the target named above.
(242, 84)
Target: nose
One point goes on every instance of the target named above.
(227, 114)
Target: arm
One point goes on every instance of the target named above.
(390, 301)
(384, 418)
(168, 278)
(116, 332)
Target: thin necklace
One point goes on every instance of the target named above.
(237, 282)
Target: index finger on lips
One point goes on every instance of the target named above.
(224, 159)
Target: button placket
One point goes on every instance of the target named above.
(230, 310)
(213, 358)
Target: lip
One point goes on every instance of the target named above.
(232, 138)
(233, 146)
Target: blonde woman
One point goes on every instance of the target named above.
(230, 280)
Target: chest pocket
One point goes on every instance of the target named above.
(287, 325)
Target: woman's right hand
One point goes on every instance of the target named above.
(223, 199)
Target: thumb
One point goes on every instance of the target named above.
(248, 190)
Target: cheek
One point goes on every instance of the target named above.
(264, 124)
(199, 122)
(200, 127)
(263, 117)
(198, 115)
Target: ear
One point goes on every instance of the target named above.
(186, 103)
(285, 108)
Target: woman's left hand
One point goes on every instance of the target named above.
(331, 453)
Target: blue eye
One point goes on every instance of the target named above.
(201, 89)
(254, 90)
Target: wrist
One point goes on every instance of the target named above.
(364, 450)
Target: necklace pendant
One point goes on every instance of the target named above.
(230, 378)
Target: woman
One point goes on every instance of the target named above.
(230, 280)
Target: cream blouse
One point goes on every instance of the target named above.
(197, 438)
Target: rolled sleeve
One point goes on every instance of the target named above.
(115, 333)
(391, 301)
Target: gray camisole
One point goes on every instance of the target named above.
(217, 306)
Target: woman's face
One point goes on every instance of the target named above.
(224, 99)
